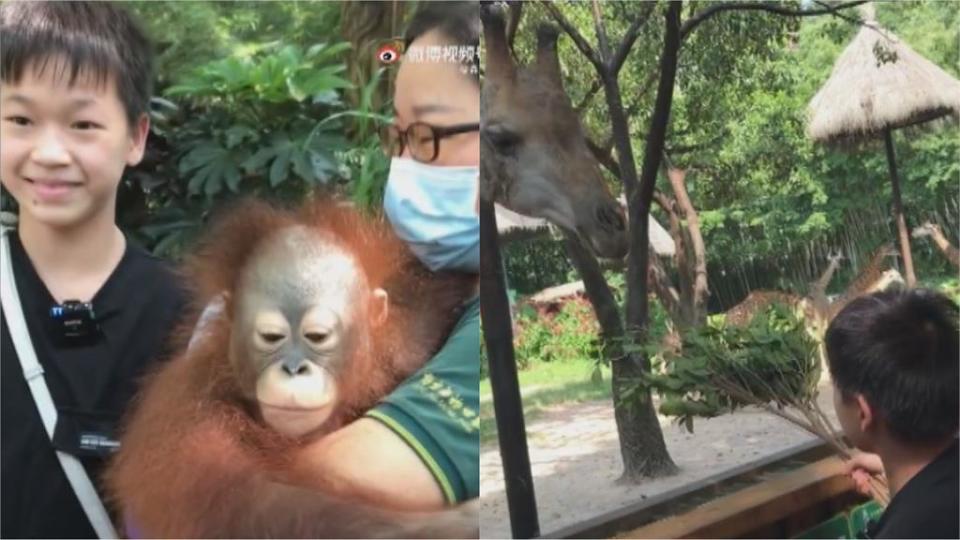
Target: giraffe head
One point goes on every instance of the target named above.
(534, 158)
(887, 280)
(886, 250)
(927, 229)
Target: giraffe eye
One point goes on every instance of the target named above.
(503, 140)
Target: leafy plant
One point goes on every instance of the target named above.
(268, 121)
(545, 335)
(722, 368)
(772, 363)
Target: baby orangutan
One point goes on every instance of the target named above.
(325, 313)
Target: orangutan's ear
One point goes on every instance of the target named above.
(379, 307)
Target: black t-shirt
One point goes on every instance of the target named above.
(927, 506)
(91, 385)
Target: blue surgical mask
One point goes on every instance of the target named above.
(433, 209)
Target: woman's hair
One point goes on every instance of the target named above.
(459, 22)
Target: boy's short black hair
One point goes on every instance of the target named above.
(94, 38)
(901, 351)
(458, 21)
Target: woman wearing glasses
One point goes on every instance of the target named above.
(420, 446)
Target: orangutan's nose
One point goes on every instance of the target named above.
(296, 367)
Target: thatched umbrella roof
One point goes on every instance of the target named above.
(880, 83)
(514, 227)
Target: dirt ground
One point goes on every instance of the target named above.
(576, 460)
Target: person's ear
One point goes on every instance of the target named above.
(138, 140)
(379, 307)
(865, 414)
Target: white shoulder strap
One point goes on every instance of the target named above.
(76, 474)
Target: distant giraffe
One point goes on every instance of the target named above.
(757, 301)
(874, 276)
(818, 289)
(820, 286)
(936, 234)
(815, 307)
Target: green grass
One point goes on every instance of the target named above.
(544, 385)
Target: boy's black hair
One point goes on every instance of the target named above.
(458, 21)
(98, 39)
(901, 351)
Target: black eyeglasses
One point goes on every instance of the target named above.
(422, 139)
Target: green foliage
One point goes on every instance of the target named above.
(268, 122)
(188, 38)
(570, 333)
(535, 264)
(366, 162)
(765, 192)
(773, 360)
(768, 186)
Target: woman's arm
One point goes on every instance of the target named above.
(435, 410)
(371, 460)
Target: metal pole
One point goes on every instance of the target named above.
(507, 406)
(898, 209)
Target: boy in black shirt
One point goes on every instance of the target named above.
(76, 81)
(894, 360)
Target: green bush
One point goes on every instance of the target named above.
(541, 335)
(268, 121)
(773, 360)
(570, 333)
(535, 264)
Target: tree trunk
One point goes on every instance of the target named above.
(695, 269)
(898, 210)
(641, 440)
(686, 316)
(599, 294)
(366, 25)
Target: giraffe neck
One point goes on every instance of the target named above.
(867, 277)
(821, 285)
(865, 280)
(944, 245)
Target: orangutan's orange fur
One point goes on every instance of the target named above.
(195, 463)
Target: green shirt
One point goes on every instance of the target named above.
(437, 410)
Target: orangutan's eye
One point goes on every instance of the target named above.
(316, 338)
(271, 337)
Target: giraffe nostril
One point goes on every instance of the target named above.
(610, 217)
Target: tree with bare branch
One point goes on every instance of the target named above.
(642, 447)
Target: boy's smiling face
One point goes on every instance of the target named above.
(65, 146)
